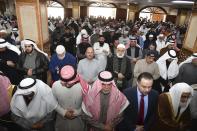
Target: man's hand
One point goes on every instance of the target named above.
(90, 81)
(139, 128)
(10, 63)
(69, 114)
(37, 125)
(105, 51)
(120, 76)
(134, 60)
(29, 72)
(108, 128)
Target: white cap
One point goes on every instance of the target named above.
(161, 35)
(60, 49)
(125, 32)
(3, 43)
(151, 35)
(14, 29)
(121, 46)
(3, 31)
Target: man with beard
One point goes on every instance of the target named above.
(187, 70)
(55, 38)
(68, 92)
(173, 112)
(15, 36)
(32, 105)
(68, 41)
(60, 59)
(73, 23)
(193, 108)
(120, 66)
(124, 39)
(104, 104)
(146, 65)
(168, 69)
(147, 42)
(160, 42)
(134, 53)
(9, 55)
(6, 90)
(33, 62)
(81, 48)
(101, 50)
(95, 37)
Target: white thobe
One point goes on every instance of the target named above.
(68, 98)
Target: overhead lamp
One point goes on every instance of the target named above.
(182, 2)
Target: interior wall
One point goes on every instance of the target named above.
(2, 7)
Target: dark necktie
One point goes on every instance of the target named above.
(141, 111)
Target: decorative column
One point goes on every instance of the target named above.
(133, 9)
(76, 9)
(190, 41)
(181, 17)
(33, 20)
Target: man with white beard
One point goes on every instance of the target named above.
(173, 112)
(160, 42)
(120, 67)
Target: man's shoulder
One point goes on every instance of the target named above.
(41, 55)
(186, 65)
(81, 62)
(11, 53)
(69, 55)
(96, 44)
(154, 93)
(130, 90)
(56, 84)
(140, 61)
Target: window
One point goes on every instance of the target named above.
(55, 9)
(102, 9)
(153, 13)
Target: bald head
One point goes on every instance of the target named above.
(89, 53)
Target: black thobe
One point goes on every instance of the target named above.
(10, 72)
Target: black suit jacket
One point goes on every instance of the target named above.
(131, 112)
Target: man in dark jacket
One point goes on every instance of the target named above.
(33, 62)
(141, 112)
(120, 66)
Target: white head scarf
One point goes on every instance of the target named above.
(121, 46)
(173, 69)
(31, 42)
(3, 31)
(169, 42)
(189, 59)
(42, 103)
(13, 37)
(78, 39)
(4, 43)
(176, 92)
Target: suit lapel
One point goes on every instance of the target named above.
(135, 100)
(149, 106)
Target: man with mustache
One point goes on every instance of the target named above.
(120, 66)
(173, 112)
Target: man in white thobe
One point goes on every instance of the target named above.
(101, 50)
(68, 92)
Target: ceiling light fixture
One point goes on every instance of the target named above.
(183, 2)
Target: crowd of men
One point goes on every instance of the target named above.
(106, 75)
